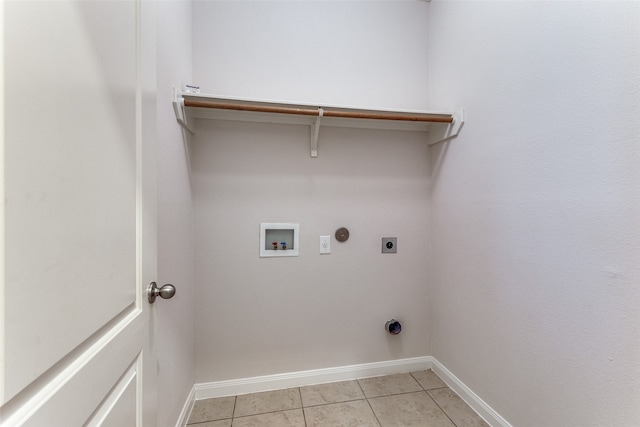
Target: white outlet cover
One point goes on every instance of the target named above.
(325, 244)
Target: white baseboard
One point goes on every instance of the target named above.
(344, 373)
(473, 400)
(186, 409)
(315, 376)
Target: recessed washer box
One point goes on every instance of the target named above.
(279, 239)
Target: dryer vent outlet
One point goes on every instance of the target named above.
(393, 327)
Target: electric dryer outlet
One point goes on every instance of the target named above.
(389, 245)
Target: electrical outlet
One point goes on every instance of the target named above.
(389, 245)
(325, 244)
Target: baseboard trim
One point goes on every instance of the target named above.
(186, 409)
(492, 417)
(343, 373)
(311, 377)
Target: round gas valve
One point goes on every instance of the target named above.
(342, 234)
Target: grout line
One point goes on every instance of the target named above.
(361, 389)
(304, 417)
(431, 397)
(205, 422)
(301, 407)
(369, 403)
(235, 403)
(434, 388)
(397, 394)
(261, 413)
(416, 380)
(334, 403)
(443, 411)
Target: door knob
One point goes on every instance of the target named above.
(165, 292)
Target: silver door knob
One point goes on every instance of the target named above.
(165, 292)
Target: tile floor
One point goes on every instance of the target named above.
(413, 399)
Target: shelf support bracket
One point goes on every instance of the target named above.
(315, 130)
(178, 109)
(443, 134)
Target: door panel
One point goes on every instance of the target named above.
(120, 406)
(79, 212)
(84, 390)
(69, 179)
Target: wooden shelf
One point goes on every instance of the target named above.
(189, 106)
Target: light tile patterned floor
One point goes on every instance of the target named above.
(415, 399)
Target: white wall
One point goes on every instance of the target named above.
(259, 316)
(174, 318)
(364, 54)
(536, 210)
(265, 316)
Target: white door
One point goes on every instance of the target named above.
(79, 237)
